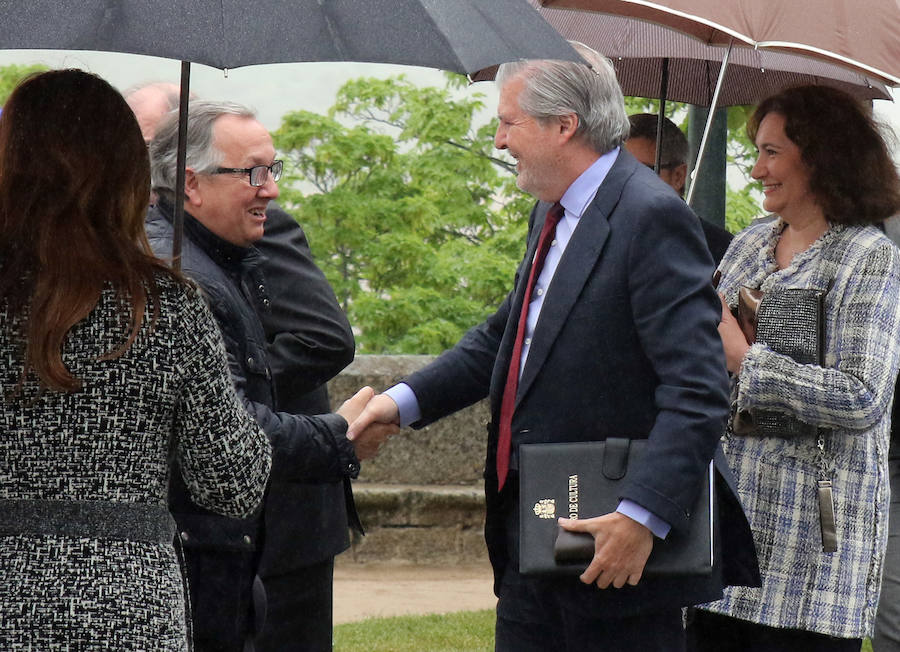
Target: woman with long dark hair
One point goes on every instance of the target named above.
(111, 365)
(811, 459)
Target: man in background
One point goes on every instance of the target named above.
(309, 341)
(672, 167)
(150, 102)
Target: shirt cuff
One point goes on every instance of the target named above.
(407, 403)
(648, 519)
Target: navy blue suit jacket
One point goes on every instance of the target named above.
(626, 346)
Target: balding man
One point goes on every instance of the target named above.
(150, 102)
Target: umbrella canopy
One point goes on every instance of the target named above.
(858, 33)
(828, 30)
(638, 48)
(462, 35)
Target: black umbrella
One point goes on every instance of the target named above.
(457, 35)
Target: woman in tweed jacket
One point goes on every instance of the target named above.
(110, 364)
(828, 178)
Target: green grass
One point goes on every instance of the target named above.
(465, 631)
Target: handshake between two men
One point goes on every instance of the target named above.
(622, 545)
(372, 418)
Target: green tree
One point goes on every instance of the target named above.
(11, 75)
(742, 204)
(411, 213)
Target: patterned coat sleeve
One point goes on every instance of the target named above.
(223, 455)
(853, 389)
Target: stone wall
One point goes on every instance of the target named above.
(421, 500)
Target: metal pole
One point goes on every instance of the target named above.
(712, 111)
(709, 196)
(178, 219)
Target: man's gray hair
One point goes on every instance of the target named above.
(554, 88)
(202, 155)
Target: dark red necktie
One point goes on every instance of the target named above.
(554, 215)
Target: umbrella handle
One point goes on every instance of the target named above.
(178, 218)
(709, 121)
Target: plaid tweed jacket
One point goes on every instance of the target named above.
(803, 587)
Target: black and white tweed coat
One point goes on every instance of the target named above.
(802, 586)
(109, 441)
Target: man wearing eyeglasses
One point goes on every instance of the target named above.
(231, 175)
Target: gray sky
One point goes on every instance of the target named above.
(272, 90)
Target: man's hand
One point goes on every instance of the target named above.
(365, 447)
(371, 426)
(733, 339)
(621, 548)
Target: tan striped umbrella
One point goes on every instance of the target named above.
(638, 50)
(851, 44)
(860, 34)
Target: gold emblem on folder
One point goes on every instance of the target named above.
(545, 508)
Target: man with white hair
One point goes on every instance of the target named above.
(603, 335)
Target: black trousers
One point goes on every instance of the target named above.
(298, 610)
(530, 619)
(709, 632)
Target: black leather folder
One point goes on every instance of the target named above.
(583, 480)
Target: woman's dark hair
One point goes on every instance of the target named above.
(74, 190)
(852, 174)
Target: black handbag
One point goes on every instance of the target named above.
(790, 322)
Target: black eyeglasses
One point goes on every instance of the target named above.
(258, 173)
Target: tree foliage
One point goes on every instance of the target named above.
(11, 75)
(412, 215)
